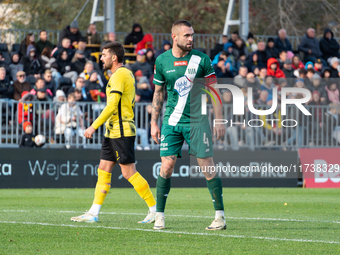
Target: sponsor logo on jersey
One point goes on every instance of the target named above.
(180, 63)
(170, 71)
(183, 86)
(191, 70)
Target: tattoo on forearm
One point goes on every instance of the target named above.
(157, 104)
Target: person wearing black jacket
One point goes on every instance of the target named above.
(271, 50)
(135, 36)
(71, 32)
(6, 88)
(281, 42)
(27, 139)
(328, 45)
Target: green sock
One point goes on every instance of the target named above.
(162, 191)
(215, 189)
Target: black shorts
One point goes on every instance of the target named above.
(119, 150)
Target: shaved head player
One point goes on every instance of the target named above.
(175, 70)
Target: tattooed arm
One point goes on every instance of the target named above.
(157, 104)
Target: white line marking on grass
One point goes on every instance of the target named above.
(188, 216)
(175, 232)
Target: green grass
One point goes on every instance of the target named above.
(253, 214)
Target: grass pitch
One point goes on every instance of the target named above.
(259, 221)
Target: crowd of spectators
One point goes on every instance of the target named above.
(42, 72)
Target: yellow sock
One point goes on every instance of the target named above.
(102, 187)
(143, 189)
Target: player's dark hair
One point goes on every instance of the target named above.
(116, 48)
(182, 22)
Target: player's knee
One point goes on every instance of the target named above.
(126, 175)
(166, 170)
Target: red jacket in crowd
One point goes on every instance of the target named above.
(278, 73)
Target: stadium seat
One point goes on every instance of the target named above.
(5, 53)
(31, 80)
(15, 47)
(64, 84)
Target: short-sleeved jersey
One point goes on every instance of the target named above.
(118, 113)
(183, 106)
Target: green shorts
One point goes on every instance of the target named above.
(199, 139)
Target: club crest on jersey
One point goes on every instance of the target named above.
(180, 63)
(183, 86)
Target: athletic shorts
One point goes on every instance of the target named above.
(198, 138)
(119, 150)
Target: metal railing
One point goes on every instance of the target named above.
(295, 130)
(205, 41)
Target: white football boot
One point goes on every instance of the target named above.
(150, 218)
(159, 223)
(87, 217)
(217, 224)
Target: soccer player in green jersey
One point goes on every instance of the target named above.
(175, 70)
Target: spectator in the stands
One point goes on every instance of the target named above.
(92, 36)
(145, 43)
(262, 100)
(332, 90)
(234, 37)
(252, 82)
(82, 47)
(141, 64)
(143, 87)
(31, 63)
(316, 85)
(59, 98)
(4, 63)
(65, 67)
(334, 67)
(49, 82)
(262, 75)
(251, 43)
(309, 45)
(309, 65)
(273, 68)
(48, 62)
(166, 45)
(281, 42)
(318, 66)
(71, 32)
(43, 42)
(92, 83)
(297, 63)
(87, 71)
(15, 66)
(240, 50)
(326, 73)
(240, 79)
(150, 58)
(29, 40)
(328, 45)
(222, 68)
(262, 53)
(20, 85)
(6, 88)
(217, 49)
(135, 36)
(268, 85)
(79, 61)
(253, 61)
(25, 110)
(282, 58)
(27, 138)
(288, 70)
(271, 50)
(65, 46)
(40, 86)
(108, 37)
(69, 120)
(43, 109)
(309, 76)
(80, 84)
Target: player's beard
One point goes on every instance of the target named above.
(107, 66)
(184, 48)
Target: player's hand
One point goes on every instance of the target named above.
(155, 132)
(89, 132)
(219, 131)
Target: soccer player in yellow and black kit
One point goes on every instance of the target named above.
(120, 134)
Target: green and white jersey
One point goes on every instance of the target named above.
(183, 107)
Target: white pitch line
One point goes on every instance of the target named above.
(189, 216)
(175, 232)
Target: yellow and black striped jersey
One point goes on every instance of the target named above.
(118, 112)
